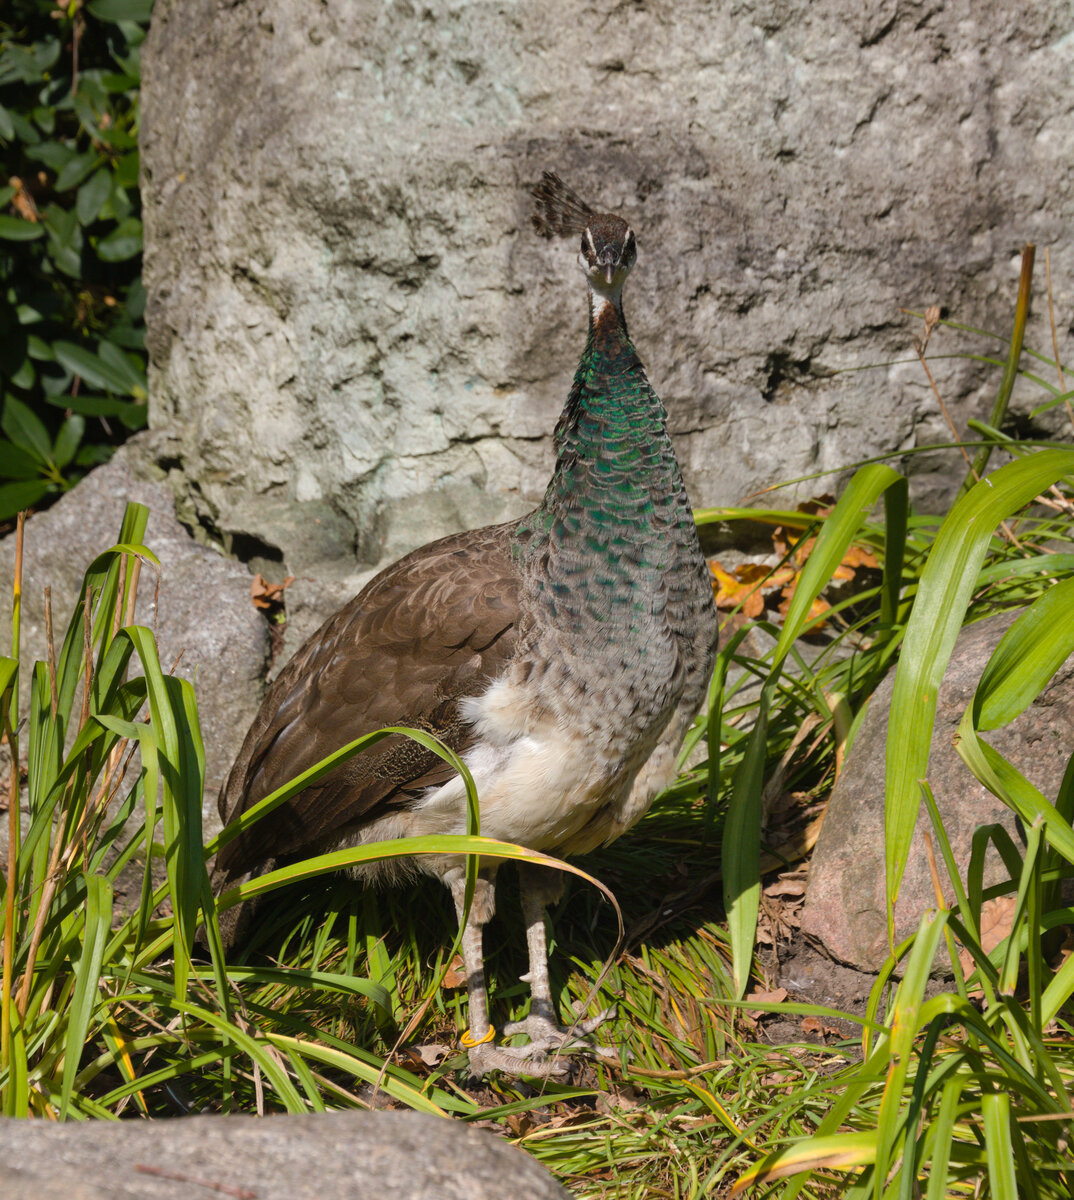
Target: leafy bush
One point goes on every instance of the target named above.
(72, 361)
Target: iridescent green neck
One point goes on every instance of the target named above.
(612, 518)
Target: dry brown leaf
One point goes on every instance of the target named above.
(819, 506)
(997, 918)
(519, 1123)
(455, 975)
(751, 573)
(429, 1055)
(777, 996)
(786, 886)
(732, 591)
(817, 609)
(265, 594)
(859, 556)
(816, 1025)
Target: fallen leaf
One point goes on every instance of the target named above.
(816, 1025)
(786, 886)
(859, 556)
(432, 1053)
(519, 1123)
(817, 609)
(265, 594)
(997, 918)
(743, 588)
(777, 996)
(455, 975)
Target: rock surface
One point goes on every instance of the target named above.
(337, 1156)
(202, 609)
(357, 343)
(845, 901)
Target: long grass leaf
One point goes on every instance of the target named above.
(742, 831)
(836, 1152)
(1027, 657)
(87, 971)
(944, 591)
(996, 1115)
(263, 807)
(339, 860)
(1010, 367)
(410, 1096)
(906, 1020)
(943, 1132)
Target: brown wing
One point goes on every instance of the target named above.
(435, 627)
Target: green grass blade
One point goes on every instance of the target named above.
(353, 1066)
(173, 717)
(944, 592)
(742, 832)
(101, 584)
(264, 806)
(339, 860)
(896, 515)
(834, 1152)
(1012, 787)
(741, 851)
(348, 984)
(98, 921)
(943, 1132)
(1010, 367)
(898, 1048)
(996, 1116)
(1058, 992)
(838, 531)
(1027, 657)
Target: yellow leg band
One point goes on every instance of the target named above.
(468, 1041)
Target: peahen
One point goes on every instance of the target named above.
(562, 655)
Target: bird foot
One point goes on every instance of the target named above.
(514, 1060)
(545, 1033)
(543, 1055)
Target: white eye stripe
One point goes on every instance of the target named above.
(592, 244)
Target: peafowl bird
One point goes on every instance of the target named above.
(562, 655)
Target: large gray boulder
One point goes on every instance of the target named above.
(845, 908)
(357, 343)
(336, 1156)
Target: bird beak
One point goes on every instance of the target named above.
(609, 272)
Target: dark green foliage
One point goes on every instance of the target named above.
(72, 360)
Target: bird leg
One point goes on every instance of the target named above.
(547, 1039)
(482, 907)
(539, 888)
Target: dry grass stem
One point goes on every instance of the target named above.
(932, 317)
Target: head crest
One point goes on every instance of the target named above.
(558, 211)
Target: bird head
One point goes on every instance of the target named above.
(608, 251)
